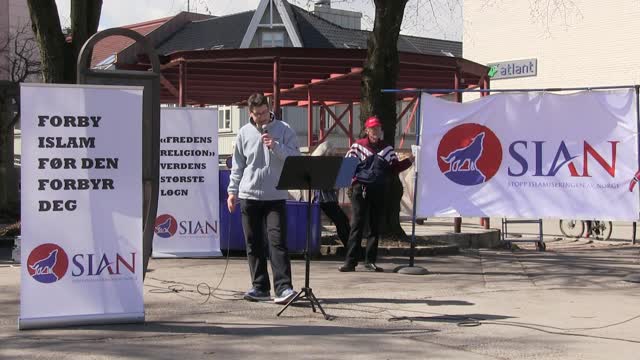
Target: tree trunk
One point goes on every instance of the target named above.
(59, 56)
(85, 17)
(381, 72)
(9, 199)
(54, 50)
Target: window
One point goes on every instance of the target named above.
(328, 120)
(272, 39)
(224, 119)
(107, 63)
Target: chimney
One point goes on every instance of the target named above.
(344, 18)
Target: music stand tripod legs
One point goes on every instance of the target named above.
(306, 293)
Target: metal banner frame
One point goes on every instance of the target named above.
(150, 80)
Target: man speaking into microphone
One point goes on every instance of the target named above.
(260, 149)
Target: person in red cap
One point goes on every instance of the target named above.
(377, 159)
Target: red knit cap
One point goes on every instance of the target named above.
(372, 122)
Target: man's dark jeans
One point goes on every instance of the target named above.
(366, 207)
(259, 217)
(339, 218)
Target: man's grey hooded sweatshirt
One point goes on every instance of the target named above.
(256, 169)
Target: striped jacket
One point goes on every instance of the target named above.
(362, 149)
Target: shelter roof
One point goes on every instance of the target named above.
(226, 32)
(229, 76)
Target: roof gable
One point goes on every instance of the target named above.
(269, 8)
(113, 44)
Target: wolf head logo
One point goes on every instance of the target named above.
(469, 154)
(47, 263)
(165, 226)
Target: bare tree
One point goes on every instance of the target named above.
(21, 54)
(20, 60)
(9, 198)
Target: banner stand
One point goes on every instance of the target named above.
(188, 221)
(632, 277)
(411, 269)
(81, 205)
(80, 320)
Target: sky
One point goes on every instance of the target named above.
(419, 14)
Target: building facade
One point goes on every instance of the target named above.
(14, 18)
(581, 43)
(15, 29)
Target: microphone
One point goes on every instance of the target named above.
(263, 130)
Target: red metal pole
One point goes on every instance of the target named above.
(309, 119)
(351, 139)
(337, 120)
(414, 103)
(276, 87)
(457, 222)
(182, 87)
(323, 119)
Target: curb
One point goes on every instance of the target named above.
(483, 240)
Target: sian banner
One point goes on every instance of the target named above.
(530, 155)
(188, 218)
(81, 205)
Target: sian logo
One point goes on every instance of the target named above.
(167, 226)
(47, 263)
(469, 154)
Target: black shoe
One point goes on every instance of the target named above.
(347, 268)
(373, 267)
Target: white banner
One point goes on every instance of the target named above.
(188, 218)
(81, 205)
(530, 155)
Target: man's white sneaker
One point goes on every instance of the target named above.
(285, 296)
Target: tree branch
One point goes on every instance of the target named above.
(22, 58)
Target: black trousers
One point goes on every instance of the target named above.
(339, 218)
(266, 220)
(366, 208)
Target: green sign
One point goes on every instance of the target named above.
(493, 71)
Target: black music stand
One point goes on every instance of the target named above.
(314, 173)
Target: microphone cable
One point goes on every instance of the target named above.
(202, 288)
(209, 293)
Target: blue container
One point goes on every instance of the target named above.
(297, 227)
(232, 236)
